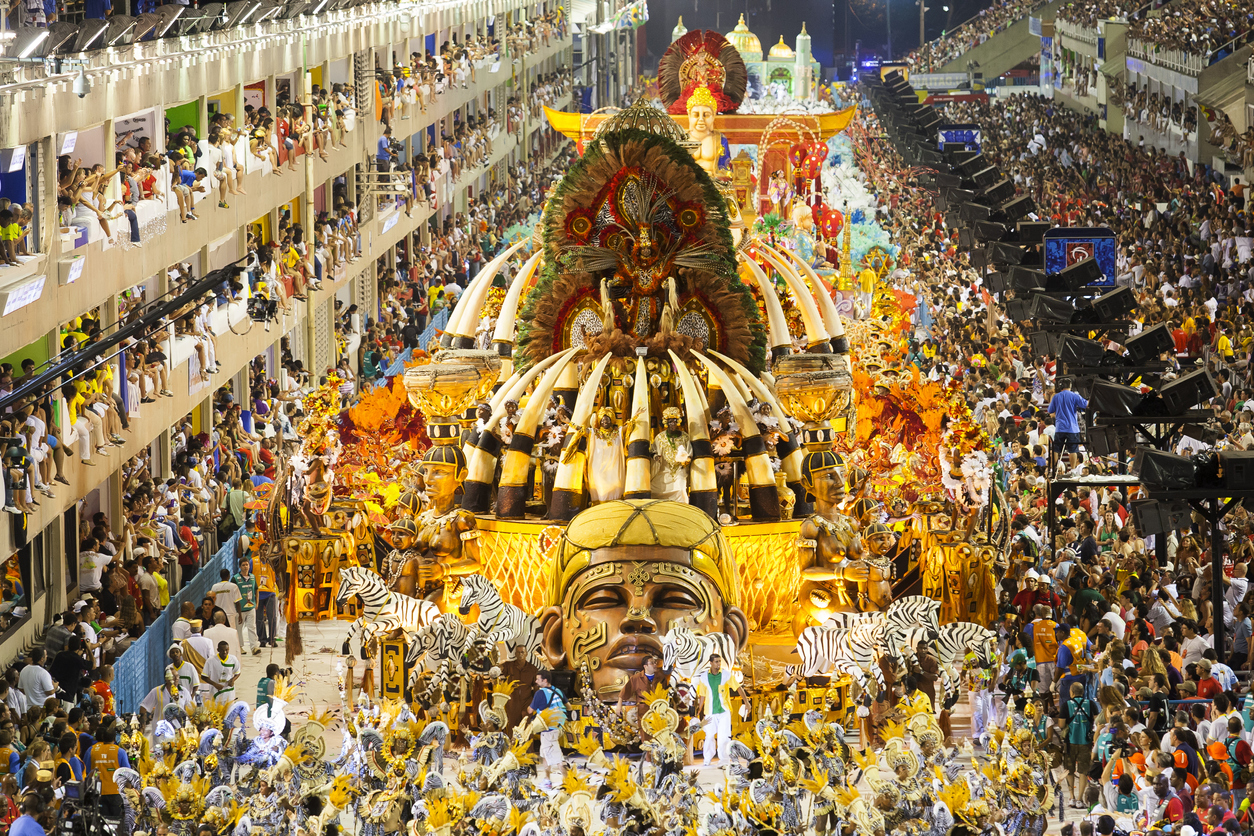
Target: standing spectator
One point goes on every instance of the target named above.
(1079, 713)
(246, 626)
(34, 681)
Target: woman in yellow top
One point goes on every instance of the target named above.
(80, 426)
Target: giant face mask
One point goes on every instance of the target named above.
(625, 573)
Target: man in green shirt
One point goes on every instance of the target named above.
(1085, 595)
(265, 687)
(246, 624)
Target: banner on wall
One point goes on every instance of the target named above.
(629, 17)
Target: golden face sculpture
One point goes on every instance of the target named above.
(881, 543)
(441, 479)
(649, 565)
(828, 486)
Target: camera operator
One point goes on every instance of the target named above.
(104, 759)
(70, 769)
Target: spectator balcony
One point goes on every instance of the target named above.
(75, 267)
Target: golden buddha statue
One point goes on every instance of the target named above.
(710, 145)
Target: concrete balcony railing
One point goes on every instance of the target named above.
(1076, 31)
(1178, 60)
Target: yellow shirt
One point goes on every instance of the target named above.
(74, 404)
(1223, 346)
(867, 280)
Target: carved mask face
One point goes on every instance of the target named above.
(616, 612)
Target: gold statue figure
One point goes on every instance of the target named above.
(828, 548)
(444, 546)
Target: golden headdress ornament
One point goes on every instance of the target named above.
(701, 96)
(644, 522)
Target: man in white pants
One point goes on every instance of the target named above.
(715, 689)
(246, 621)
(551, 759)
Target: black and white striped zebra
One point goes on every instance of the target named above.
(687, 653)
(957, 637)
(382, 610)
(846, 650)
(501, 622)
(444, 638)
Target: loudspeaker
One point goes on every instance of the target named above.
(1080, 352)
(989, 230)
(1237, 469)
(1110, 441)
(1080, 274)
(1000, 253)
(995, 282)
(1052, 311)
(999, 192)
(1161, 471)
(1110, 398)
(966, 240)
(1155, 517)
(986, 177)
(1116, 305)
(1146, 346)
(1017, 209)
(971, 212)
(1184, 393)
(1044, 344)
(969, 166)
(1019, 310)
(1025, 279)
(1033, 232)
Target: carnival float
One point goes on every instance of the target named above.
(661, 431)
(676, 421)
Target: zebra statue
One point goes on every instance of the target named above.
(957, 636)
(687, 653)
(906, 622)
(382, 610)
(501, 622)
(846, 650)
(443, 639)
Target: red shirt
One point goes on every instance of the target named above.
(102, 688)
(267, 458)
(191, 557)
(1207, 688)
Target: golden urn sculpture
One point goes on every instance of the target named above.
(446, 389)
(816, 389)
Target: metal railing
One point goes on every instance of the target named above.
(142, 667)
(1076, 31)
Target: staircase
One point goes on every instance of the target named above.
(1005, 50)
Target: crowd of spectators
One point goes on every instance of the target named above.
(1104, 627)
(1195, 27)
(1087, 12)
(933, 55)
(1159, 112)
(428, 278)
(191, 168)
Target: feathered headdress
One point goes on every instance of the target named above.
(702, 58)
